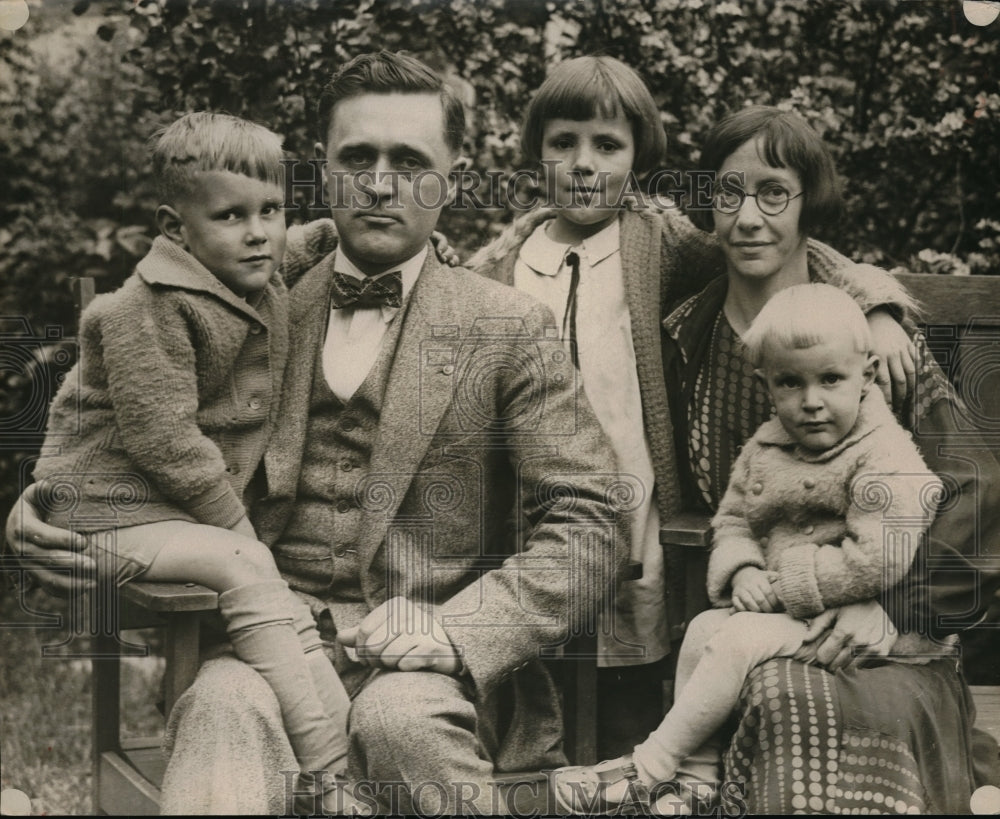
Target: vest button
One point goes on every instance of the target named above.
(808, 529)
(448, 369)
(340, 551)
(347, 423)
(344, 506)
(255, 329)
(254, 403)
(346, 465)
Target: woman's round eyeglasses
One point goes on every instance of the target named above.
(771, 199)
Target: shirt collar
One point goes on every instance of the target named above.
(169, 265)
(546, 257)
(872, 414)
(409, 270)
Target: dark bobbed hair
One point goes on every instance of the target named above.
(204, 141)
(588, 87)
(389, 72)
(786, 141)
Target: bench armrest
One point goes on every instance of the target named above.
(686, 539)
(692, 529)
(171, 597)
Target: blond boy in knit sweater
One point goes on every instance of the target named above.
(152, 444)
(825, 507)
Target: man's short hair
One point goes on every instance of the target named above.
(388, 72)
(787, 141)
(589, 87)
(805, 315)
(204, 141)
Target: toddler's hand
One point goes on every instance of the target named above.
(752, 591)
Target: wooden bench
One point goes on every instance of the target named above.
(961, 320)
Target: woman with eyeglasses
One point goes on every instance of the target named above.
(846, 728)
(843, 727)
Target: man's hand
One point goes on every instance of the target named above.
(50, 554)
(752, 591)
(897, 375)
(403, 635)
(844, 637)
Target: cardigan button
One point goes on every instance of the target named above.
(344, 506)
(256, 329)
(809, 483)
(757, 488)
(448, 369)
(764, 541)
(254, 403)
(808, 529)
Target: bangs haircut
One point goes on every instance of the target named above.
(203, 141)
(388, 72)
(786, 141)
(803, 316)
(597, 88)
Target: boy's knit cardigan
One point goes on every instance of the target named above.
(831, 528)
(168, 411)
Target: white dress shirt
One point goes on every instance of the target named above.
(354, 335)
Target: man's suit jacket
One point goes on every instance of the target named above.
(487, 455)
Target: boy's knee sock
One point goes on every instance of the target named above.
(330, 689)
(259, 623)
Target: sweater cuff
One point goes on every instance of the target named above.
(727, 558)
(218, 506)
(797, 583)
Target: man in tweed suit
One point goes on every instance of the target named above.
(438, 490)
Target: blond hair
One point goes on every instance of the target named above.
(204, 141)
(805, 315)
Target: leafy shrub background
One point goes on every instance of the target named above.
(906, 94)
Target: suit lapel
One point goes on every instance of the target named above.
(417, 394)
(307, 313)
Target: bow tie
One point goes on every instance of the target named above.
(384, 290)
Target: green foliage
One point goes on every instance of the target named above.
(907, 95)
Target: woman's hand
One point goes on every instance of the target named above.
(846, 636)
(752, 591)
(49, 554)
(897, 375)
(444, 251)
